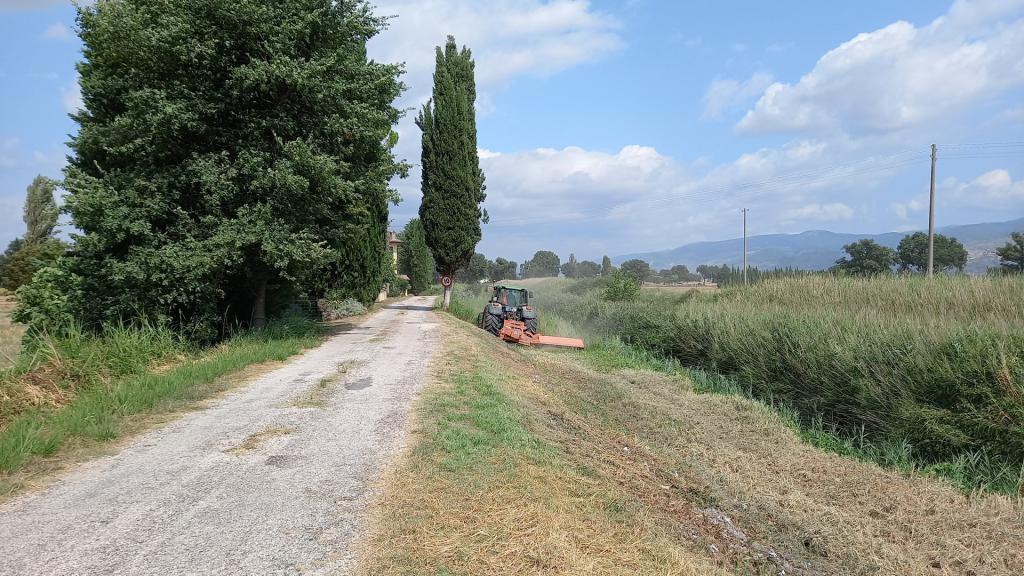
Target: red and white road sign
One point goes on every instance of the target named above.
(446, 281)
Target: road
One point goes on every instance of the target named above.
(271, 479)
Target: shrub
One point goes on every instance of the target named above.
(622, 286)
(335, 309)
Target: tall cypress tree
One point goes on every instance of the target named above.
(453, 184)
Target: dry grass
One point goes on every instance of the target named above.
(10, 334)
(647, 477)
(673, 289)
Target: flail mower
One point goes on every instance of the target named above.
(509, 316)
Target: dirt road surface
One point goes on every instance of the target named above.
(271, 479)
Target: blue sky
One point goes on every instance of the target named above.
(618, 126)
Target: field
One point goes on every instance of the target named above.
(611, 461)
(911, 372)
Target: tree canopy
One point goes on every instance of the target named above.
(912, 253)
(226, 149)
(40, 210)
(588, 269)
(866, 258)
(502, 269)
(453, 183)
(544, 264)
(606, 266)
(638, 268)
(1011, 255)
(414, 258)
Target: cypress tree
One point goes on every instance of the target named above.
(414, 258)
(453, 184)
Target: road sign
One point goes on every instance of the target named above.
(446, 281)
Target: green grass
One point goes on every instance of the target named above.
(477, 425)
(913, 373)
(112, 377)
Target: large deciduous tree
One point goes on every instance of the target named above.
(226, 150)
(502, 269)
(414, 258)
(544, 264)
(1011, 255)
(912, 253)
(638, 268)
(453, 184)
(866, 258)
(606, 266)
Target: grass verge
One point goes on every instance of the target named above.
(99, 387)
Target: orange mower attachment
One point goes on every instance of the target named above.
(515, 331)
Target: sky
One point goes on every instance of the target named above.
(620, 126)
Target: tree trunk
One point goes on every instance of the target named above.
(447, 297)
(259, 306)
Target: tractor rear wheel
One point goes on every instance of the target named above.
(492, 323)
(531, 325)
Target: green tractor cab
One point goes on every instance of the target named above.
(508, 303)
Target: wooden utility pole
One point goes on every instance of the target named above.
(931, 220)
(745, 246)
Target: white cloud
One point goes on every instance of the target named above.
(821, 212)
(72, 98)
(995, 188)
(725, 94)
(901, 76)
(57, 31)
(508, 38)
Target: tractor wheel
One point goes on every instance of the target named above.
(531, 325)
(492, 323)
(480, 320)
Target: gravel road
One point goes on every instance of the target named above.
(271, 479)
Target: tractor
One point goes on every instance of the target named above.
(509, 316)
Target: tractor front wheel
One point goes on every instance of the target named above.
(492, 323)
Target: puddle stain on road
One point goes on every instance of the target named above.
(360, 384)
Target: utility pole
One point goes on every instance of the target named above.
(931, 220)
(745, 246)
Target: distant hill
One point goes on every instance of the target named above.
(819, 249)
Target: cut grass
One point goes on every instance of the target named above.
(483, 493)
(105, 406)
(534, 461)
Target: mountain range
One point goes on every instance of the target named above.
(819, 249)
